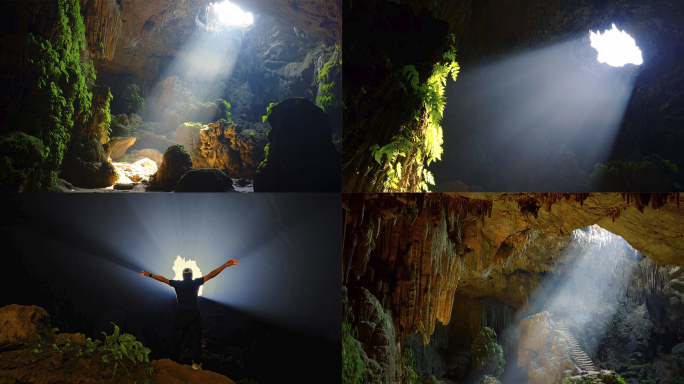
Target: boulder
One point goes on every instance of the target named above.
(20, 324)
(301, 155)
(678, 358)
(119, 146)
(71, 338)
(89, 174)
(149, 153)
(220, 147)
(205, 180)
(175, 163)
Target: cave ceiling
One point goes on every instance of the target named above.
(142, 36)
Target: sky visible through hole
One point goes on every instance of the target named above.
(616, 48)
(231, 14)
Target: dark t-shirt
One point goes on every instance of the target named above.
(186, 292)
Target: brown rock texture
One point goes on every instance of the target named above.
(167, 371)
(103, 23)
(322, 19)
(432, 244)
(220, 147)
(20, 324)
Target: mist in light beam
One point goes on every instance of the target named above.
(180, 264)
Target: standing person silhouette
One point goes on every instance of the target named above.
(188, 318)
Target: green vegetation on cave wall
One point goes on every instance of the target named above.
(44, 93)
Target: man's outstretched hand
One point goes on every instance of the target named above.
(232, 262)
(145, 273)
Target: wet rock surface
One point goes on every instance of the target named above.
(301, 155)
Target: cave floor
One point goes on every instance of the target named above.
(142, 187)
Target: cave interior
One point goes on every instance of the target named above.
(513, 288)
(97, 91)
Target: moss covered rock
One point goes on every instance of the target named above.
(44, 92)
(487, 354)
(175, 163)
(21, 157)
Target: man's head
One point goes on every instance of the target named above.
(187, 274)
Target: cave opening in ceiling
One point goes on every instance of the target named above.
(231, 14)
(180, 264)
(616, 48)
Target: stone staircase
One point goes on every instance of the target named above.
(578, 356)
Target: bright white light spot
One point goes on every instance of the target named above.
(616, 48)
(230, 14)
(181, 264)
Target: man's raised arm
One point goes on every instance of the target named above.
(218, 270)
(147, 273)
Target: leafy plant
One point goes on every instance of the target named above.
(408, 375)
(268, 112)
(132, 101)
(119, 346)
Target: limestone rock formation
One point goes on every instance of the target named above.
(220, 147)
(379, 347)
(432, 244)
(301, 156)
(188, 135)
(175, 163)
(205, 180)
(119, 145)
(21, 324)
(103, 22)
(544, 352)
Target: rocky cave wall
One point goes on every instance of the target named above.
(397, 247)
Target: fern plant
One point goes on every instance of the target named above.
(427, 146)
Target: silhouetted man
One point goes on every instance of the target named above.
(188, 317)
